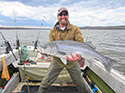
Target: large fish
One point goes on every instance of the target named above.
(62, 49)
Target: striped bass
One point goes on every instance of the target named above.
(62, 49)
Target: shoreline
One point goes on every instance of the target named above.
(104, 27)
(23, 28)
(48, 28)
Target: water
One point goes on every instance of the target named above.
(110, 43)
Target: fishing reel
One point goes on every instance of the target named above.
(36, 45)
(3, 44)
(8, 47)
(17, 44)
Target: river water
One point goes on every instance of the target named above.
(110, 43)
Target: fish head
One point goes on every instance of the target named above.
(49, 48)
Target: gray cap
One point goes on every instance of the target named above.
(62, 9)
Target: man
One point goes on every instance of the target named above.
(63, 30)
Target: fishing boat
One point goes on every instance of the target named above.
(26, 77)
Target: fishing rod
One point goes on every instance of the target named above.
(89, 29)
(17, 39)
(37, 41)
(8, 46)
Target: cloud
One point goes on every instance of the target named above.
(81, 13)
(102, 15)
(25, 11)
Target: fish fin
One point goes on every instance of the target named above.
(110, 64)
(108, 68)
(64, 61)
(61, 52)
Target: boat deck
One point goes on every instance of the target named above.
(113, 80)
(55, 88)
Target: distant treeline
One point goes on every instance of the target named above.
(104, 27)
(11, 28)
(85, 27)
(23, 28)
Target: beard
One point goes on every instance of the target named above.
(63, 22)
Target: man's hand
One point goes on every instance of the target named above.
(74, 58)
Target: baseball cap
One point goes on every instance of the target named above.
(61, 10)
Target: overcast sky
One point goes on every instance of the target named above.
(81, 12)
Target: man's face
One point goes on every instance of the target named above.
(63, 18)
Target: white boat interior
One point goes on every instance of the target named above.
(37, 69)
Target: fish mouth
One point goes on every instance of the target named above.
(41, 50)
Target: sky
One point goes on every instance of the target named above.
(44, 12)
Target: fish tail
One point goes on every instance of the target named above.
(110, 63)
